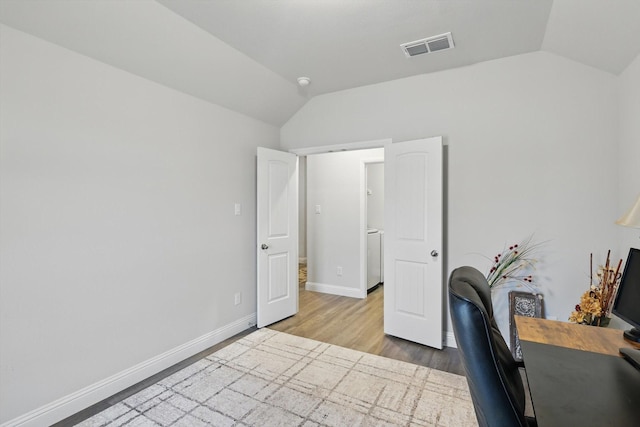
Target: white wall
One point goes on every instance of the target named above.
(375, 200)
(119, 240)
(531, 148)
(335, 181)
(629, 155)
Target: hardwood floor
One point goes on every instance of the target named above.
(358, 324)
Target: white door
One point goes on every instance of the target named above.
(277, 222)
(413, 284)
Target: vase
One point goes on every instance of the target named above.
(601, 321)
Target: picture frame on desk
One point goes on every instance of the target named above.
(526, 304)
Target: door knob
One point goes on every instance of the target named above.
(264, 246)
(434, 253)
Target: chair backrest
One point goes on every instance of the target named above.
(492, 373)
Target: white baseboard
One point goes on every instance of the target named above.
(333, 290)
(81, 399)
(450, 339)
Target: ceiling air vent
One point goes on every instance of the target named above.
(428, 45)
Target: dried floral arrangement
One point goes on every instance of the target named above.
(596, 303)
(513, 263)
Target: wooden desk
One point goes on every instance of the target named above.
(576, 376)
(571, 335)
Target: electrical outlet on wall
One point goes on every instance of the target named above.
(238, 298)
(339, 271)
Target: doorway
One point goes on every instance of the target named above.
(374, 220)
(337, 220)
(336, 232)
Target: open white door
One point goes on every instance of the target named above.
(413, 241)
(277, 222)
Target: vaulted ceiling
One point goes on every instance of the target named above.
(247, 54)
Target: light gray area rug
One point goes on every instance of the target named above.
(270, 378)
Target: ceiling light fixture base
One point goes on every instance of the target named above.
(304, 81)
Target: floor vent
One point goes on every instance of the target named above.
(428, 45)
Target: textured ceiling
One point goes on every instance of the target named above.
(602, 34)
(246, 55)
(343, 44)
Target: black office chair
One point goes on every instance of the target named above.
(494, 379)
